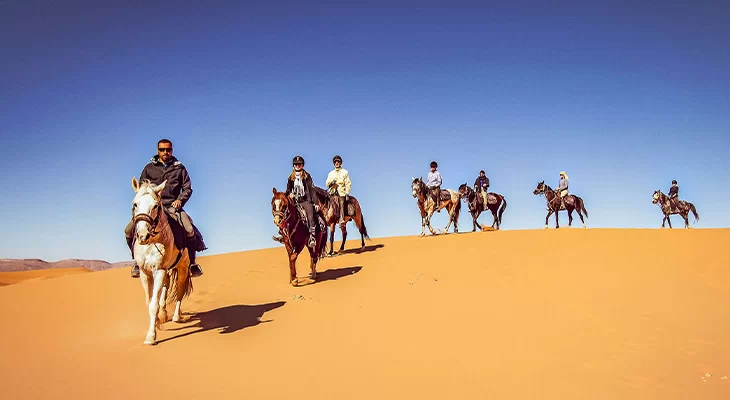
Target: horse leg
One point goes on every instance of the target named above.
(147, 286)
(570, 218)
(154, 306)
(451, 219)
(331, 229)
(547, 217)
(557, 224)
(293, 268)
(669, 221)
(183, 282)
(494, 215)
(428, 222)
(343, 228)
(686, 220)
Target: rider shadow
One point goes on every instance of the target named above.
(365, 249)
(227, 319)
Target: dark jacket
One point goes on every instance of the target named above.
(481, 183)
(178, 186)
(308, 187)
(674, 191)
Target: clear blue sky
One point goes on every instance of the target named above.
(624, 96)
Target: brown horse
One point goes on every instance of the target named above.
(330, 207)
(570, 202)
(450, 200)
(476, 205)
(662, 200)
(295, 234)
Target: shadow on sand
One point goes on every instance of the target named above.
(365, 249)
(227, 319)
(336, 273)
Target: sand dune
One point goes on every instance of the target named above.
(556, 314)
(28, 264)
(9, 278)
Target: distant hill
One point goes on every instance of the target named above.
(30, 264)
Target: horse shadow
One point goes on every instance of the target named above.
(227, 319)
(359, 250)
(332, 274)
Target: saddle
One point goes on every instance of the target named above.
(491, 199)
(181, 238)
(444, 195)
(317, 216)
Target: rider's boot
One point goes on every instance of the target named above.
(195, 269)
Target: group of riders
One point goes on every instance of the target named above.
(300, 188)
(178, 190)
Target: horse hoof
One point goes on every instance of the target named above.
(546, 227)
(584, 226)
(150, 340)
(294, 282)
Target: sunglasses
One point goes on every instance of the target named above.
(164, 149)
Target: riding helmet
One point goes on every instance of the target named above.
(337, 158)
(434, 164)
(298, 160)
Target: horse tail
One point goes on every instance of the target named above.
(362, 228)
(501, 209)
(694, 211)
(187, 285)
(583, 206)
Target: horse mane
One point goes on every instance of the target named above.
(322, 195)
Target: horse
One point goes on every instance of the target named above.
(662, 200)
(295, 234)
(570, 202)
(450, 200)
(164, 265)
(476, 205)
(329, 205)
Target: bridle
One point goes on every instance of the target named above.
(284, 215)
(543, 191)
(153, 222)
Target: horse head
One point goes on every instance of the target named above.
(146, 209)
(657, 196)
(465, 191)
(417, 186)
(279, 207)
(540, 188)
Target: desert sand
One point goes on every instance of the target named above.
(544, 314)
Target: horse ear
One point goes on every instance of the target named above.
(135, 183)
(274, 190)
(161, 186)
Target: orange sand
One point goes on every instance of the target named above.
(9, 278)
(566, 314)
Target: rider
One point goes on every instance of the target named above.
(481, 185)
(341, 177)
(562, 190)
(165, 167)
(674, 195)
(300, 188)
(433, 183)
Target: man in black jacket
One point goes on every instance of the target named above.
(178, 189)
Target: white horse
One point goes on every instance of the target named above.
(164, 269)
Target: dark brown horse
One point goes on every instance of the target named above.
(330, 209)
(450, 200)
(295, 234)
(662, 200)
(476, 205)
(570, 202)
